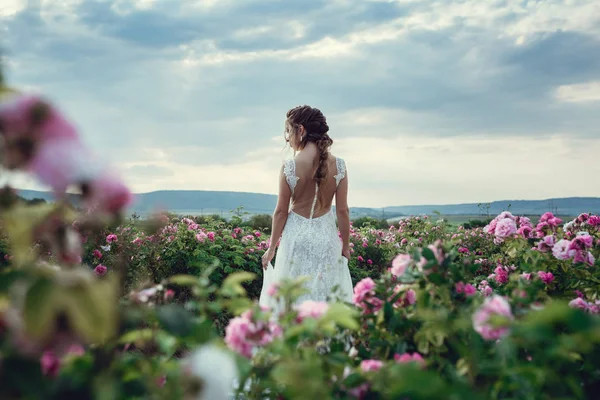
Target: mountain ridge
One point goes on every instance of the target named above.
(196, 202)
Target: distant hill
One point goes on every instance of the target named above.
(565, 206)
(196, 202)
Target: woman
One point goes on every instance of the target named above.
(310, 245)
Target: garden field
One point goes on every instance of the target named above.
(93, 306)
(508, 310)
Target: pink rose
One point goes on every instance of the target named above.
(561, 249)
(492, 306)
(364, 296)
(408, 358)
(111, 238)
(546, 244)
(579, 303)
(100, 270)
(50, 364)
(546, 277)
(371, 365)
(169, 294)
(501, 275)
(470, 290)
(311, 309)
(96, 253)
(505, 228)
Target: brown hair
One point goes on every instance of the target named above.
(316, 128)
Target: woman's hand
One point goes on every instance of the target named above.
(346, 253)
(267, 257)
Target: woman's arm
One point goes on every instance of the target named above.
(280, 216)
(343, 214)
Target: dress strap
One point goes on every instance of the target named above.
(314, 203)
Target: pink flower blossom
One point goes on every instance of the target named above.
(400, 264)
(243, 334)
(561, 249)
(370, 262)
(273, 290)
(492, 306)
(470, 290)
(409, 358)
(371, 365)
(169, 294)
(201, 236)
(505, 228)
(100, 270)
(111, 238)
(360, 259)
(546, 277)
(96, 253)
(546, 244)
(579, 303)
(257, 234)
(501, 275)
(311, 309)
(594, 220)
(50, 364)
(211, 236)
(364, 296)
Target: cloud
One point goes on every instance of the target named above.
(579, 93)
(202, 87)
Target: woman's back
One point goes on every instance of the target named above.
(304, 189)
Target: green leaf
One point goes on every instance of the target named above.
(137, 336)
(7, 278)
(175, 320)
(388, 312)
(183, 280)
(232, 284)
(342, 315)
(353, 380)
(38, 309)
(428, 254)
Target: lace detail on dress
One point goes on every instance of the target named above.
(310, 248)
(341, 170)
(289, 170)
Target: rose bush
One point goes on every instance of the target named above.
(94, 307)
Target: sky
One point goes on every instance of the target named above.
(429, 102)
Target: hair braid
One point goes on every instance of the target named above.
(316, 131)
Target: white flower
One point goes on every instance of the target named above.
(215, 368)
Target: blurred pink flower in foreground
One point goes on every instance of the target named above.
(311, 309)
(371, 365)
(408, 358)
(492, 307)
(40, 140)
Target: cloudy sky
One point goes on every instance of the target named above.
(428, 101)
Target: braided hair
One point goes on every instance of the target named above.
(316, 128)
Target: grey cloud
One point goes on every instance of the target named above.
(461, 80)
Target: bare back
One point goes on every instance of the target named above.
(299, 174)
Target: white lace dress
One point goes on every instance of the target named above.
(310, 247)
